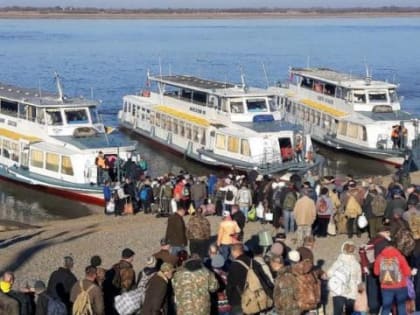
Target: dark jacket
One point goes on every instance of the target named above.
(155, 301)
(165, 256)
(8, 305)
(236, 280)
(397, 203)
(176, 231)
(24, 301)
(239, 217)
(59, 285)
(42, 304)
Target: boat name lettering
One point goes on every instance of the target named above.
(197, 110)
(12, 123)
(325, 100)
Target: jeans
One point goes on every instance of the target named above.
(224, 250)
(340, 302)
(389, 296)
(289, 221)
(244, 209)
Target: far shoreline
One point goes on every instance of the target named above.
(199, 15)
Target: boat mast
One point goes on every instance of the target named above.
(59, 87)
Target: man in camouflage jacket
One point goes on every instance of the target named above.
(285, 292)
(192, 285)
(198, 233)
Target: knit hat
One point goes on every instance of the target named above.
(294, 256)
(151, 262)
(277, 249)
(39, 286)
(217, 261)
(127, 253)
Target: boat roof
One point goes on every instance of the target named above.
(269, 126)
(223, 89)
(49, 147)
(101, 140)
(41, 98)
(394, 115)
(347, 80)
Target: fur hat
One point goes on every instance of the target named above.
(293, 256)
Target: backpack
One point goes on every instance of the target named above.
(144, 193)
(167, 191)
(389, 271)
(322, 205)
(277, 198)
(414, 223)
(378, 205)
(404, 240)
(308, 291)
(229, 195)
(254, 299)
(82, 304)
(55, 307)
(339, 280)
(289, 201)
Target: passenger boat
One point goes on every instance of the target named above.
(50, 142)
(215, 123)
(348, 112)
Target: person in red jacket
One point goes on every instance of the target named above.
(393, 271)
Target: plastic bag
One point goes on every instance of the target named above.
(260, 211)
(362, 222)
(332, 228)
(252, 214)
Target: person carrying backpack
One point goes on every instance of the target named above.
(231, 193)
(324, 209)
(244, 199)
(393, 270)
(146, 197)
(288, 201)
(86, 295)
(374, 206)
(344, 277)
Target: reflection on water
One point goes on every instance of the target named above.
(21, 204)
(29, 206)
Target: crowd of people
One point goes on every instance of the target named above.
(195, 272)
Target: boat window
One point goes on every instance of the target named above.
(307, 83)
(157, 120)
(377, 97)
(318, 87)
(352, 130)
(272, 105)
(233, 144)
(245, 149)
(181, 129)
(199, 97)
(66, 166)
(163, 119)
(202, 134)
(256, 105)
(359, 97)
(169, 123)
(220, 141)
(94, 115)
(54, 117)
(31, 113)
(196, 136)
(329, 89)
(40, 116)
(342, 128)
(76, 116)
(37, 158)
(236, 107)
(339, 92)
(23, 110)
(213, 101)
(224, 106)
(9, 108)
(186, 94)
(175, 126)
(125, 107)
(188, 132)
(52, 162)
(152, 118)
(393, 97)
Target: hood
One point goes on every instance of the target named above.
(193, 265)
(302, 267)
(344, 244)
(389, 252)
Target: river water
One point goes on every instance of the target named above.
(107, 59)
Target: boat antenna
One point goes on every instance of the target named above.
(368, 78)
(59, 87)
(265, 75)
(244, 87)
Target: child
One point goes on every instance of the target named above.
(360, 304)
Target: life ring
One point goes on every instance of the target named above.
(82, 132)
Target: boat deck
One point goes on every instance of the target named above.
(270, 126)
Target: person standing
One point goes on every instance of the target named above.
(393, 270)
(324, 209)
(240, 219)
(94, 292)
(305, 214)
(198, 192)
(102, 168)
(61, 281)
(231, 193)
(228, 229)
(41, 298)
(244, 199)
(198, 233)
(192, 285)
(176, 232)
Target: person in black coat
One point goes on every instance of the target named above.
(237, 277)
(61, 281)
(176, 232)
(239, 217)
(41, 298)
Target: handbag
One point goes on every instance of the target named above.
(128, 302)
(252, 214)
(128, 207)
(362, 222)
(110, 207)
(268, 216)
(332, 228)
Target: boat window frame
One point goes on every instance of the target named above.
(66, 170)
(245, 147)
(237, 106)
(52, 167)
(219, 138)
(233, 144)
(54, 120)
(254, 100)
(81, 120)
(31, 160)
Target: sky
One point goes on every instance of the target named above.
(147, 4)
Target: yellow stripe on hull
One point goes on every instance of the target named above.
(182, 115)
(324, 108)
(16, 136)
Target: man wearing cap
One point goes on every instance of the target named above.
(119, 279)
(164, 254)
(156, 299)
(61, 281)
(176, 232)
(198, 233)
(192, 285)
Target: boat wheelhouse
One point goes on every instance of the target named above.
(50, 142)
(344, 111)
(215, 123)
